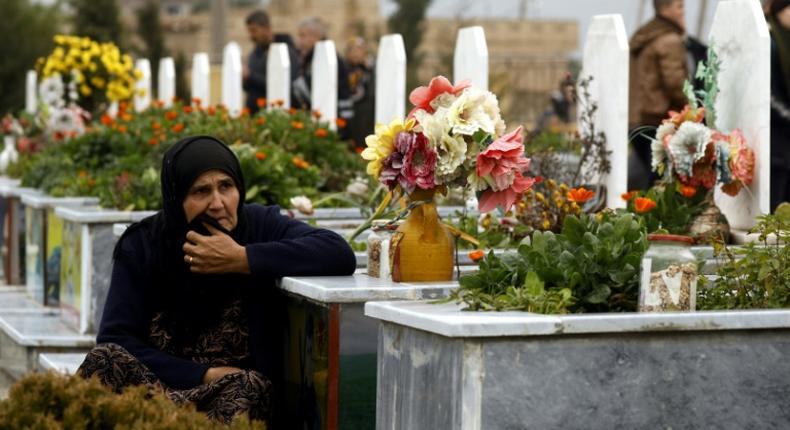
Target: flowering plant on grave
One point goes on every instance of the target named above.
(80, 78)
(454, 136)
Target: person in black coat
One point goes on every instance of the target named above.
(778, 16)
(254, 74)
(192, 308)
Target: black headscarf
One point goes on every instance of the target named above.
(192, 300)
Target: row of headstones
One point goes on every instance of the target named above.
(742, 42)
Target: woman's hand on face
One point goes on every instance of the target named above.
(215, 373)
(217, 253)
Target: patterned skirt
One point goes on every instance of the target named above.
(242, 392)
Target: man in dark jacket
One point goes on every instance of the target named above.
(309, 32)
(254, 74)
(658, 68)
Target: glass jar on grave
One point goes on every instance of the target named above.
(379, 239)
(668, 277)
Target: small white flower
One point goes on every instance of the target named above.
(302, 204)
(687, 145)
(475, 110)
(358, 188)
(51, 91)
(451, 150)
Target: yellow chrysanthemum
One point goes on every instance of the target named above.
(381, 144)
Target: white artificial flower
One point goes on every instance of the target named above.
(687, 145)
(302, 204)
(358, 188)
(663, 130)
(51, 91)
(451, 150)
(475, 110)
(66, 120)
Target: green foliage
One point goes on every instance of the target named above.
(709, 73)
(755, 276)
(98, 19)
(52, 401)
(591, 266)
(27, 29)
(674, 212)
(283, 154)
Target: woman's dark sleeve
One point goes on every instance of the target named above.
(286, 247)
(127, 318)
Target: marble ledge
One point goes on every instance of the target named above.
(42, 201)
(451, 321)
(14, 190)
(18, 301)
(42, 330)
(360, 288)
(97, 215)
(63, 362)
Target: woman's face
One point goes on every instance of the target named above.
(214, 193)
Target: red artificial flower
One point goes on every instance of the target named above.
(421, 97)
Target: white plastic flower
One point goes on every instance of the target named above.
(475, 110)
(51, 91)
(302, 204)
(358, 188)
(687, 145)
(451, 150)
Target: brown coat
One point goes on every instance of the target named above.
(657, 72)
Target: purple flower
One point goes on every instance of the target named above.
(411, 164)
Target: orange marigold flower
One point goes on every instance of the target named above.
(127, 117)
(298, 125)
(82, 173)
(628, 196)
(156, 126)
(316, 114)
(321, 132)
(187, 109)
(340, 122)
(476, 255)
(278, 102)
(245, 111)
(580, 195)
(644, 204)
(292, 111)
(688, 191)
(122, 129)
(359, 149)
(211, 110)
(106, 119)
(260, 155)
(171, 115)
(260, 121)
(91, 182)
(178, 127)
(197, 100)
(261, 102)
(152, 141)
(300, 163)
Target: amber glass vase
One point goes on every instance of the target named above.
(421, 250)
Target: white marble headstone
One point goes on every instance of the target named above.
(231, 79)
(390, 79)
(166, 90)
(201, 78)
(31, 92)
(470, 60)
(606, 59)
(142, 96)
(741, 39)
(278, 74)
(323, 91)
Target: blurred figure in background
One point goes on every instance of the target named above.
(254, 73)
(310, 31)
(360, 82)
(658, 68)
(778, 15)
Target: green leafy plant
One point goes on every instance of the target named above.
(591, 266)
(53, 401)
(755, 276)
(676, 206)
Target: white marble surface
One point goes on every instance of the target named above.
(17, 299)
(93, 214)
(232, 96)
(360, 288)
(31, 92)
(390, 79)
(278, 74)
(449, 320)
(12, 189)
(470, 60)
(142, 88)
(740, 35)
(166, 90)
(41, 201)
(606, 59)
(201, 78)
(63, 362)
(42, 329)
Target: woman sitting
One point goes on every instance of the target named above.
(192, 307)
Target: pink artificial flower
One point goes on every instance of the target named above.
(419, 160)
(741, 158)
(502, 159)
(421, 97)
(411, 164)
(505, 198)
